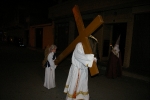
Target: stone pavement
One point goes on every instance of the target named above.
(22, 78)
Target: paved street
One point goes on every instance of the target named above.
(22, 78)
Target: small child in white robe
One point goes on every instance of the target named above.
(77, 81)
(49, 81)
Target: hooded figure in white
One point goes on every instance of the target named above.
(116, 50)
(114, 68)
(77, 82)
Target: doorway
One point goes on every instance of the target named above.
(140, 51)
(39, 37)
(61, 35)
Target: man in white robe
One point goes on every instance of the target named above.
(77, 82)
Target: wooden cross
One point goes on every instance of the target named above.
(83, 38)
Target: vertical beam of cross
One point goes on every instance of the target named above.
(83, 38)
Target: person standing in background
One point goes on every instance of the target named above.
(50, 67)
(114, 67)
(77, 82)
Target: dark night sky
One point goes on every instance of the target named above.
(7, 5)
(30, 7)
(43, 3)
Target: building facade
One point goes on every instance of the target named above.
(128, 18)
(41, 35)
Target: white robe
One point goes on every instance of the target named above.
(49, 81)
(78, 74)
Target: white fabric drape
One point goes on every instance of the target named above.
(49, 81)
(78, 74)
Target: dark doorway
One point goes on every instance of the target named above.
(140, 59)
(39, 37)
(27, 37)
(120, 29)
(61, 35)
(106, 44)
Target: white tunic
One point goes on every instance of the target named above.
(49, 81)
(78, 74)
